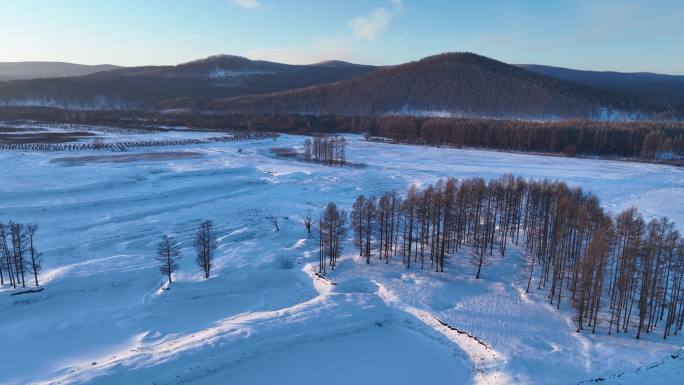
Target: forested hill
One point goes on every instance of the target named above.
(40, 69)
(189, 84)
(455, 84)
(451, 84)
(646, 84)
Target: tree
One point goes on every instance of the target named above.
(591, 276)
(274, 221)
(369, 209)
(307, 220)
(363, 219)
(358, 223)
(18, 236)
(205, 244)
(168, 254)
(333, 229)
(5, 255)
(36, 265)
(409, 211)
(307, 149)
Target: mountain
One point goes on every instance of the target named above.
(461, 84)
(450, 84)
(188, 84)
(645, 84)
(38, 69)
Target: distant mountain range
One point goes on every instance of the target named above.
(452, 84)
(639, 83)
(191, 84)
(37, 69)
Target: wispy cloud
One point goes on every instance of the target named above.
(342, 46)
(371, 25)
(248, 4)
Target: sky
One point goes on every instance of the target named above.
(630, 36)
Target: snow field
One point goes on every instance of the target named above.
(263, 315)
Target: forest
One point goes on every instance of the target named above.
(620, 271)
(642, 140)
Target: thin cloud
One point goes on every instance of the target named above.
(343, 46)
(248, 4)
(369, 26)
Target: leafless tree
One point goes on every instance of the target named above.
(273, 217)
(307, 220)
(332, 231)
(19, 250)
(307, 149)
(36, 264)
(5, 255)
(206, 244)
(168, 254)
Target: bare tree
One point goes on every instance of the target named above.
(307, 220)
(205, 244)
(36, 265)
(5, 256)
(18, 236)
(168, 254)
(358, 223)
(333, 229)
(307, 149)
(369, 213)
(273, 217)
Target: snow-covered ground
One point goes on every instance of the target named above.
(263, 316)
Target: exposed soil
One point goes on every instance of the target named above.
(42, 137)
(126, 158)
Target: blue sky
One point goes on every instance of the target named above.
(584, 34)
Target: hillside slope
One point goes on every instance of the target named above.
(462, 84)
(151, 87)
(39, 69)
(645, 84)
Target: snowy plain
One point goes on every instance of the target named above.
(264, 316)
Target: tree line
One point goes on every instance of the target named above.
(20, 260)
(626, 270)
(647, 140)
(643, 140)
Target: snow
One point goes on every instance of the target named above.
(222, 73)
(264, 316)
